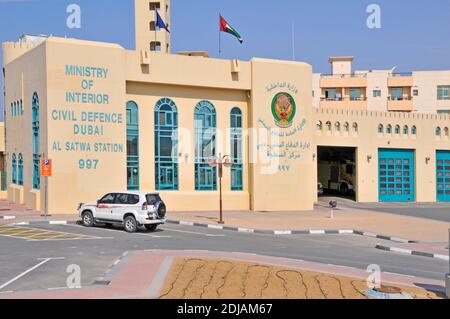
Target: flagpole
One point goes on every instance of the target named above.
(156, 22)
(293, 41)
(220, 36)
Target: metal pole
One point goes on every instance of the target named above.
(220, 36)
(447, 277)
(221, 214)
(220, 166)
(293, 41)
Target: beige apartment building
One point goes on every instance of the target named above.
(113, 119)
(381, 90)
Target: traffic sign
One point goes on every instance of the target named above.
(46, 167)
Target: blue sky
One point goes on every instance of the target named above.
(414, 33)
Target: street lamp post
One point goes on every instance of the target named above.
(220, 163)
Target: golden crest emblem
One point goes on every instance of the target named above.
(283, 109)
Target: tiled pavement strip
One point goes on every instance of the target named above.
(141, 274)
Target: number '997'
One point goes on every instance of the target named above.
(88, 164)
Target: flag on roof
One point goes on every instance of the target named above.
(160, 23)
(225, 27)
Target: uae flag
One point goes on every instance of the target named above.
(225, 27)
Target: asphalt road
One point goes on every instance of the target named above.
(94, 256)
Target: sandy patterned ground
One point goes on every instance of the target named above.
(222, 279)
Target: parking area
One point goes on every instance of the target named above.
(39, 234)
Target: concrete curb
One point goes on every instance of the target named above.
(248, 230)
(292, 232)
(7, 217)
(412, 252)
(113, 269)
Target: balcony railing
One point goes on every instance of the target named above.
(358, 75)
(342, 99)
(401, 74)
(400, 98)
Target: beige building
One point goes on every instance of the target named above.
(112, 119)
(381, 90)
(148, 36)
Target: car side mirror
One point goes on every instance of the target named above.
(98, 202)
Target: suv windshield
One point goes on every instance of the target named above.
(152, 199)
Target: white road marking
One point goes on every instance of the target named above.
(68, 239)
(153, 236)
(26, 272)
(393, 273)
(192, 232)
(444, 257)
(118, 230)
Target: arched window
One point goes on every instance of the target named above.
(14, 168)
(166, 145)
(413, 130)
(328, 124)
(20, 170)
(438, 131)
(205, 146)
(21, 108)
(132, 146)
(389, 129)
(446, 132)
(236, 150)
(405, 130)
(355, 127)
(380, 129)
(12, 109)
(36, 142)
(319, 125)
(397, 129)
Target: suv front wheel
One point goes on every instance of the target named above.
(130, 224)
(88, 219)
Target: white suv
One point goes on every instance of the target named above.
(130, 209)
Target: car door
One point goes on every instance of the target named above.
(105, 207)
(120, 206)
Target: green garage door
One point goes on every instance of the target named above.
(396, 175)
(443, 176)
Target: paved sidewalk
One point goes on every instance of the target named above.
(14, 213)
(144, 273)
(413, 228)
